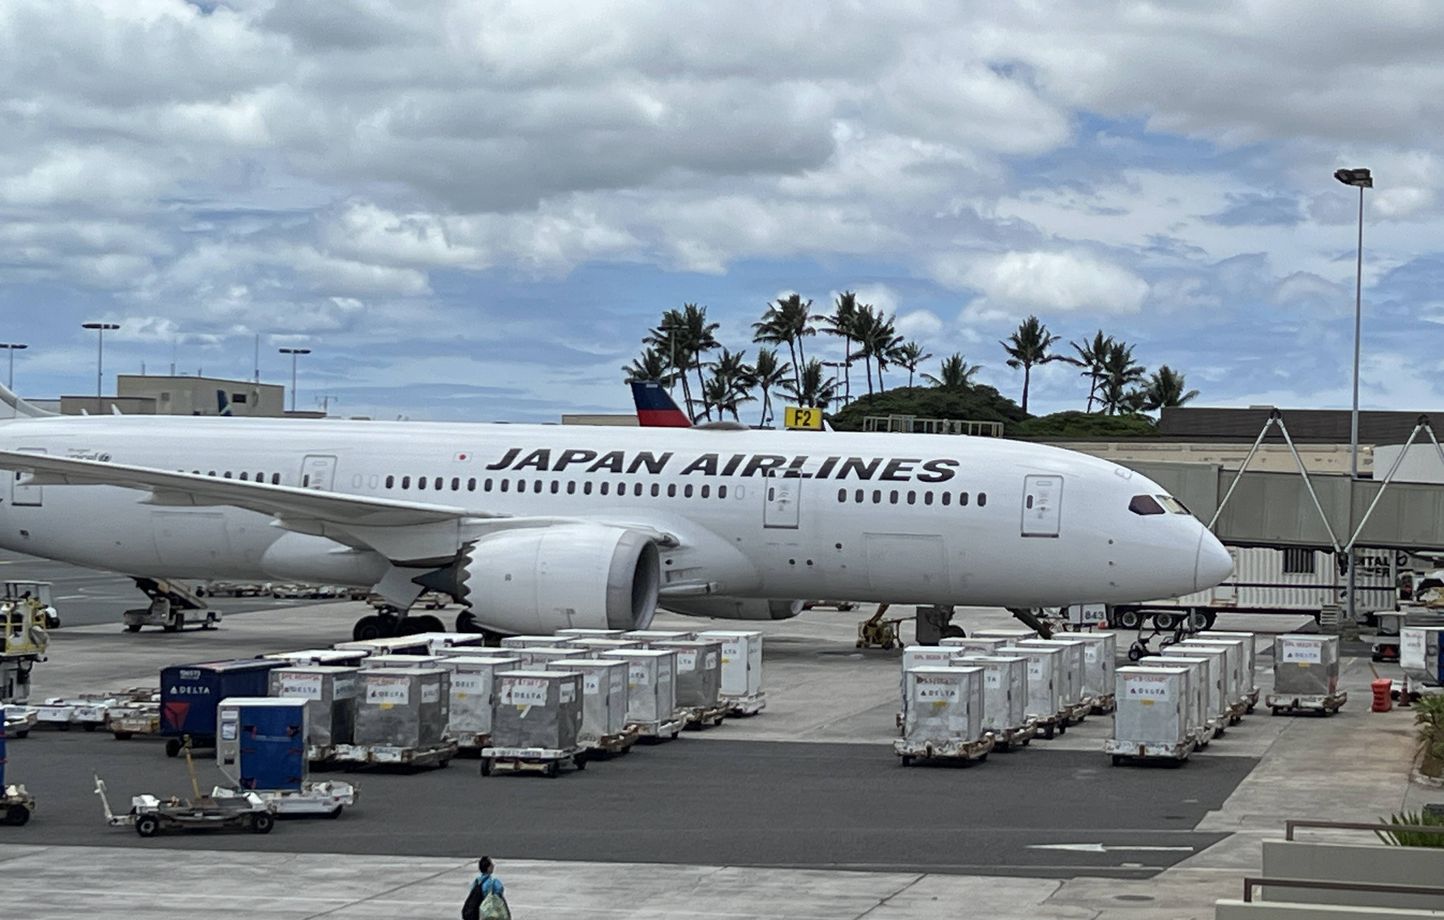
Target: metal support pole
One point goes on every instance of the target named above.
(1353, 575)
(293, 381)
(99, 364)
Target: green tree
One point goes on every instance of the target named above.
(767, 375)
(788, 320)
(840, 323)
(1090, 358)
(876, 339)
(669, 338)
(1028, 347)
(909, 355)
(954, 373)
(727, 388)
(1166, 389)
(1120, 374)
(651, 364)
(813, 386)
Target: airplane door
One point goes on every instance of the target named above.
(782, 497)
(21, 494)
(1042, 505)
(318, 471)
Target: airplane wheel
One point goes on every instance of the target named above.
(466, 622)
(1129, 619)
(132, 627)
(367, 628)
(428, 623)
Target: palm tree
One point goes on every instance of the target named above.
(909, 355)
(788, 320)
(876, 340)
(669, 339)
(767, 375)
(954, 373)
(651, 364)
(728, 385)
(1090, 358)
(1120, 373)
(1166, 390)
(1027, 348)
(840, 323)
(812, 387)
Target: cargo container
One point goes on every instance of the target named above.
(514, 642)
(1013, 634)
(189, 694)
(648, 636)
(596, 646)
(579, 633)
(976, 645)
(943, 716)
(400, 661)
(919, 656)
(326, 657)
(1235, 696)
(261, 743)
(699, 679)
(1250, 660)
(330, 698)
(1005, 695)
(1151, 720)
(1306, 675)
(1421, 654)
(1215, 701)
(604, 702)
(741, 669)
(402, 707)
(537, 722)
(449, 640)
(472, 688)
(1200, 700)
(1100, 660)
(1077, 703)
(1045, 701)
(539, 657)
(395, 645)
(651, 690)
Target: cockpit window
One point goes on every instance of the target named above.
(1173, 505)
(1145, 504)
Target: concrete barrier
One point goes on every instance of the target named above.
(1333, 862)
(1238, 910)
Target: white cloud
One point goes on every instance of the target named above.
(1021, 282)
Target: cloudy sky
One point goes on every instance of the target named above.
(475, 209)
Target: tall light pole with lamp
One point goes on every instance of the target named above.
(12, 347)
(100, 330)
(1360, 179)
(294, 353)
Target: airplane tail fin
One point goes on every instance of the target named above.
(655, 406)
(12, 406)
(223, 405)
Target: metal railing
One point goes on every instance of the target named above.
(911, 424)
(1289, 827)
(1252, 882)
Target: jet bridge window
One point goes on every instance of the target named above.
(1145, 505)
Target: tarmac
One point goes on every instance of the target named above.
(798, 812)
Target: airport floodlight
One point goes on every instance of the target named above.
(1359, 178)
(100, 330)
(294, 353)
(12, 347)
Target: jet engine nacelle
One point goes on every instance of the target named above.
(539, 580)
(733, 608)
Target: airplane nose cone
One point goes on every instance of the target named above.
(1213, 564)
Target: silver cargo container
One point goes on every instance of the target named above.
(534, 641)
(604, 697)
(1201, 716)
(648, 636)
(449, 640)
(944, 706)
(1306, 665)
(1152, 715)
(1013, 634)
(651, 684)
(699, 672)
(1100, 660)
(1044, 699)
(1233, 668)
(1250, 656)
(972, 644)
(473, 693)
(402, 707)
(1216, 702)
(329, 657)
(537, 709)
(741, 661)
(539, 658)
(596, 646)
(1005, 690)
(920, 656)
(1420, 654)
(1073, 673)
(330, 695)
(400, 661)
(394, 645)
(578, 633)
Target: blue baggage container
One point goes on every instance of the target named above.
(189, 694)
(261, 742)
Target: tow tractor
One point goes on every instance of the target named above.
(23, 641)
(34, 593)
(149, 815)
(16, 804)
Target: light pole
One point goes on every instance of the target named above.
(100, 329)
(294, 352)
(1360, 179)
(12, 347)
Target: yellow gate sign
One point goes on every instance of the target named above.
(803, 417)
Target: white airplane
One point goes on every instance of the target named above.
(537, 528)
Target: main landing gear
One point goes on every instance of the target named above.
(389, 621)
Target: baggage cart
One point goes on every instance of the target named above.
(320, 657)
(1200, 719)
(473, 696)
(546, 761)
(1076, 703)
(1280, 704)
(63, 712)
(580, 633)
(376, 662)
(699, 680)
(520, 642)
(1306, 675)
(973, 645)
(130, 719)
(942, 716)
(1250, 661)
(537, 724)
(1421, 654)
(401, 719)
(327, 798)
(1234, 657)
(1152, 718)
(649, 637)
(651, 691)
(420, 757)
(19, 720)
(329, 693)
(393, 645)
(1100, 660)
(604, 703)
(1219, 707)
(150, 815)
(261, 747)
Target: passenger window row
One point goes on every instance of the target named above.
(911, 497)
(553, 486)
(244, 475)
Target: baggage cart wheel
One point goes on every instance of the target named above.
(334, 813)
(580, 761)
(23, 733)
(1062, 728)
(17, 815)
(147, 825)
(907, 760)
(487, 765)
(1117, 760)
(552, 770)
(1048, 732)
(124, 736)
(132, 627)
(262, 822)
(172, 747)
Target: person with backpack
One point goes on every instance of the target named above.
(487, 898)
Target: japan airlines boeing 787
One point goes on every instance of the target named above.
(540, 527)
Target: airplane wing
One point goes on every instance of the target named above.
(402, 531)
